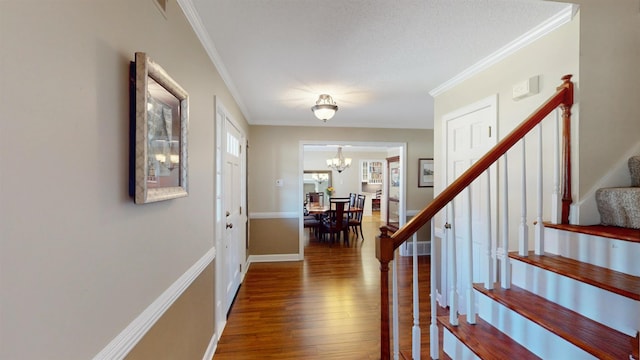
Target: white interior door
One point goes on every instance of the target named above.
(231, 217)
(470, 133)
(233, 244)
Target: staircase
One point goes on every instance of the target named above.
(576, 296)
(560, 306)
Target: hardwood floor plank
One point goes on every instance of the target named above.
(325, 307)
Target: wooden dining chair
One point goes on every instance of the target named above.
(335, 222)
(355, 218)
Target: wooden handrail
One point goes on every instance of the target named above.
(386, 244)
(563, 96)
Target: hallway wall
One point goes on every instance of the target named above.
(79, 260)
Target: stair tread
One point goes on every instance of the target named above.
(598, 276)
(612, 232)
(589, 335)
(486, 341)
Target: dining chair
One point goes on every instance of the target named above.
(316, 197)
(335, 222)
(355, 219)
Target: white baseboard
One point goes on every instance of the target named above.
(211, 349)
(273, 258)
(122, 344)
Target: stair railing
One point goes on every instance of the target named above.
(391, 238)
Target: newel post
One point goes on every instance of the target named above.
(566, 147)
(384, 253)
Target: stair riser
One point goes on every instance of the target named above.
(618, 255)
(535, 338)
(453, 347)
(613, 310)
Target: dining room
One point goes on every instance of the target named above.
(353, 171)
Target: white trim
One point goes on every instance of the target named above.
(273, 258)
(561, 18)
(192, 16)
(273, 215)
(211, 349)
(122, 344)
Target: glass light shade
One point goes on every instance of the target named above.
(325, 107)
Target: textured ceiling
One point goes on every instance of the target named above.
(379, 59)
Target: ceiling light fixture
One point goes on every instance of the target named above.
(339, 162)
(325, 107)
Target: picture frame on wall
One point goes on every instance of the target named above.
(159, 117)
(425, 172)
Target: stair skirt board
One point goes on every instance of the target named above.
(618, 255)
(453, 347)
(610, 309)
(535, 338)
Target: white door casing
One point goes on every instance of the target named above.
(470, 132)
(230, 221)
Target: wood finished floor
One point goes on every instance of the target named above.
(325, 307)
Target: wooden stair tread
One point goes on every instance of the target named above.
(597, 339)
(610, 280)
(486, 341)
(612, 232)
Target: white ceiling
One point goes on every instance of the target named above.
(379, 59)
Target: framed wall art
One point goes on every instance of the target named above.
(159, 114)
(425, 172)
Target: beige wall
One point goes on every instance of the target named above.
(609, 128)
(601, 48)
(79, 260)
(274, 154)
(550, 57)
(188, 318)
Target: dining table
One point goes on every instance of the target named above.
(319, 209)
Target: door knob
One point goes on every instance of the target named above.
(228, 213)
(447, 226)
(229, 226)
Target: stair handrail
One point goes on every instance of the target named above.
(386, 244)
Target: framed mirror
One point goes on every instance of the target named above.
(316, 181)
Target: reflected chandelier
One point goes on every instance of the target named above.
(339, 162)
(325, 107)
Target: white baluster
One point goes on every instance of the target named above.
(523, 243)
(471, 314)
(505, 275)
(488, 282)
(556, 198)
(451, 241)
(538, 227)
(415, 348)
(396, 332)
(433, 329)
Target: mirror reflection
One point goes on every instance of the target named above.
(316, 181)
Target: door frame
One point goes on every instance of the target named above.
(403, 182)
(220, 314)
(488, 102)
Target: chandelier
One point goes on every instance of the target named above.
(339, 162)
(325, 107)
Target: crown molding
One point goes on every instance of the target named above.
(529, 37)
(192, 16)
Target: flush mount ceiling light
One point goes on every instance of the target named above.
(325, 107)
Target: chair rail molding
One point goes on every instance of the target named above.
(127, 339)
